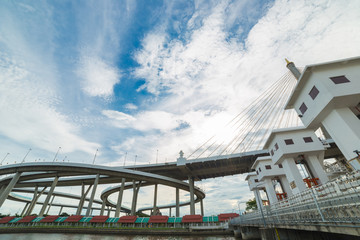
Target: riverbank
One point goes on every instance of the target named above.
(114, 231)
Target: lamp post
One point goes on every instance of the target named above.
(261, 210)
(4, 158)
(26, 156)
(56, 153)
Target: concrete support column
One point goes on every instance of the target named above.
(155, 197)
(169, 212)
(102, 208)
(47, 199)
(285, 185)
(88, 210)
(25, 208)
(270, 191)
(344, 128)
(192, 201)
(177, 202)
(118, 205)
(82, 199)
(135, 195)
(258, 199)
(9, 187)
(51, 202)
(61, 208)
(293, 176)
(316, 168)
(2, 189)
(34, 200)
(109, 211)
(202, 207)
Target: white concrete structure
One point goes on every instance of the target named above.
(328, 95)
(290, 146)
(267, 172)
(255, 185)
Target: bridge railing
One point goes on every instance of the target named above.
(335, 201)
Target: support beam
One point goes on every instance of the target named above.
(25, 208)
(9, 187)
(177, 202)
(102, 208)
(136, 189)
(155, 197)
(118, 205)
(34, 201)
(88, 210)
(202, 207)
(192, 201)
(51, 202)
(46, 202)
(2, 189)
(61, 208)
(82, 199)
(169, 212)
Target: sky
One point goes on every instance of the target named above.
(146, 79)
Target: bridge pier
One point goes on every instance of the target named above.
(61, 208)
(25, 208)
(118, 205)
(10, 186)
(202, 207)
(34, 200)
(135, 195)
(177, 202)
(51, 202)
(192, 201)
(46, 202)
(155, 197)
(88, 210)
(102, 208)
(82, 199)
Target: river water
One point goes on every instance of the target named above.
(57, 236)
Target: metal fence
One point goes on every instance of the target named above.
(335, 201)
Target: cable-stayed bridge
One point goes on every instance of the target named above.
(233, 150)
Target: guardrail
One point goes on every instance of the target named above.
(337, 201)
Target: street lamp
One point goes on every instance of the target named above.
(261, 209)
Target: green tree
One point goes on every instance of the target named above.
(251, 205)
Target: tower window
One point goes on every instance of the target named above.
(339, 79)
(272, 152)
(276, 146)
(308, 139)
(259, 169)
(289, 141)
(267, 167)
(280, 165)
(314, 92)
(303, 108)
(256, 180)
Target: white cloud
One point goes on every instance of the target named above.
(130, 106)
(98, 77)
(29, 115)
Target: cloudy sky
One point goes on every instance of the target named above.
(151, 78)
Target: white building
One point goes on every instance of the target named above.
(291, 146)
(328, 95)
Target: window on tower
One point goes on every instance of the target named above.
(303, 108)
(314, 92)
(339, 79)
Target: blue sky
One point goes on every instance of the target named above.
(139, 77)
